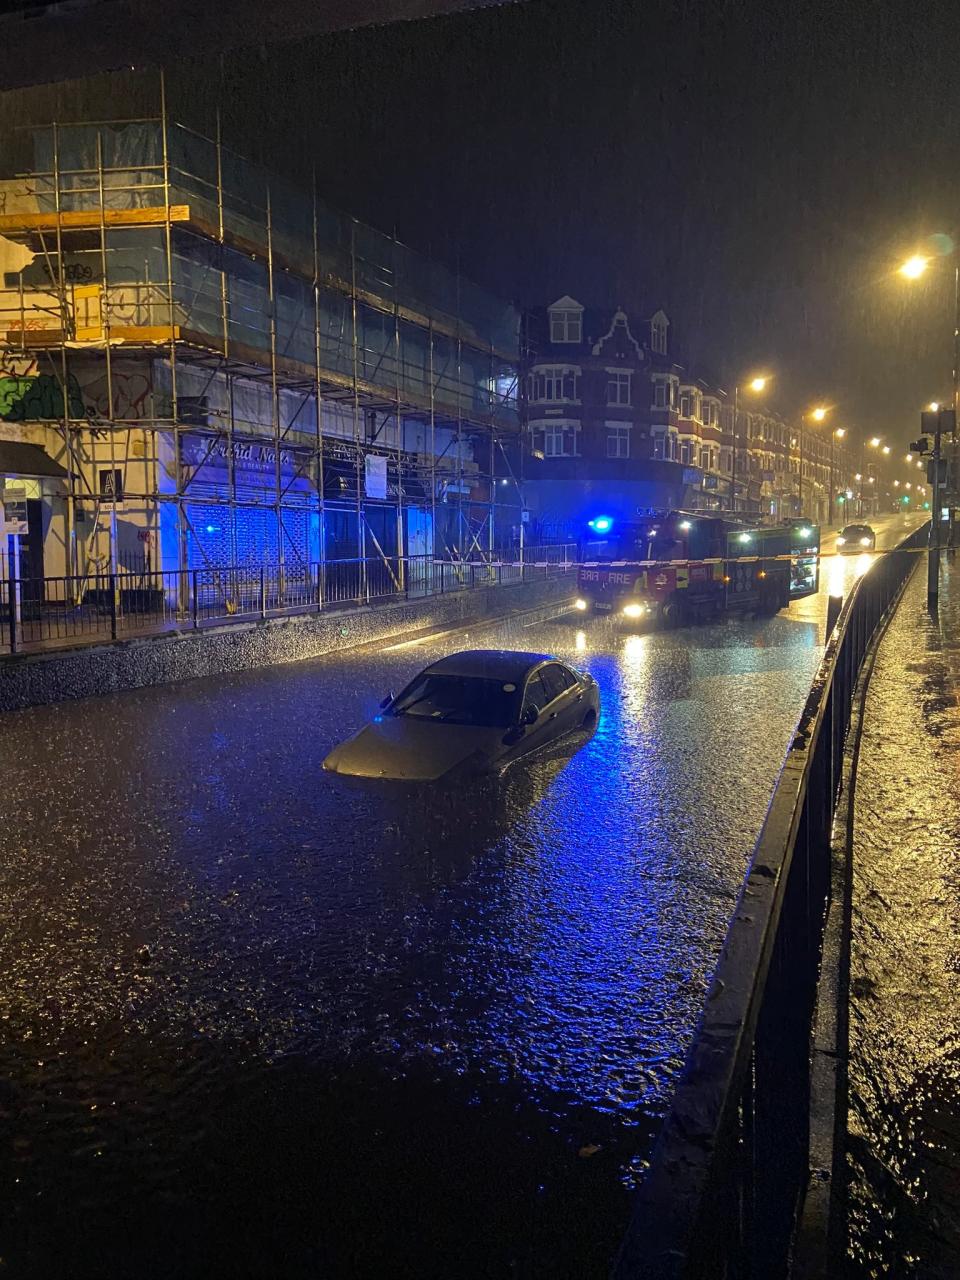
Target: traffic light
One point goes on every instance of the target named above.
(922, 445)
(942, 472)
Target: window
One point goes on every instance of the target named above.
(661, 398)
(686, 450)
(565, 326)
(537, 694)
(560, 440)
(457, 700)
(658, 335)
(659, 450)
(618, 387)
(705, 459)
(554, 383)
(554, 679)
(618, 442)
(684, 405)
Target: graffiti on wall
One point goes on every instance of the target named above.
(38, 398)
(29, 396)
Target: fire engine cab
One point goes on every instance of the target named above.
(678, 566)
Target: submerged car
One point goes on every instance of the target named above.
(856, 538)
(470, 714)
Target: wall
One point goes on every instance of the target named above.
(37, 679)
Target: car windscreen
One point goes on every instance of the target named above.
(471, 700)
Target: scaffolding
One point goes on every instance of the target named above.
(230, 371)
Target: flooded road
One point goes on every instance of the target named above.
(260, 1023)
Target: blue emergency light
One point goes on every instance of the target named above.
(601, 524)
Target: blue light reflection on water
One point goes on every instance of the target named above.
(553, 942)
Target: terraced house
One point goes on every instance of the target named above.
(613, 422)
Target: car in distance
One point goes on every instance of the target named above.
(470, 713)
(856, 538)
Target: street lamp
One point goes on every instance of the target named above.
(756, 384)
(818, 414)
(912, 269)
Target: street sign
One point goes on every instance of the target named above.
(15, 516)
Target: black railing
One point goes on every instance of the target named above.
(728, 1173)
(48, 613)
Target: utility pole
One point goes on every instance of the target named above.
(934, 423)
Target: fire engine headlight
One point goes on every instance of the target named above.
(634, 610)
(864, 542)
(841, 541)
(580, 604)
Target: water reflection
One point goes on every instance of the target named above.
(515, 972)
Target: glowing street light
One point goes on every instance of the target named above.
(818, 414)
(875, 442)
(886, 449)
(909, 457)
(756, 384)
(896, 484)
(858, 476)
(840, 432)
(914, 267)
(934, 406)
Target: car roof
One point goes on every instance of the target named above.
(494, 664)
(857, 524)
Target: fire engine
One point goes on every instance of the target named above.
(677, 567)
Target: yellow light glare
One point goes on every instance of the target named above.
(581, 605)
(914, 267)
(819, 414)
(875, 442)
(633, 611)
(757, 384)
(934, 406)
(840, 432)
(886, 448)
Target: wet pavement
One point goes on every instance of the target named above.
(260, 1023)
(904, 1148)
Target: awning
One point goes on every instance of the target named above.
(28, 462)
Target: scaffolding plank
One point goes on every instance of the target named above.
(89, 219)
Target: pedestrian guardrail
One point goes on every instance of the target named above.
(54, 612)
(728, 1173)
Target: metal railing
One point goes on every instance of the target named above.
(728, 1172)
(55, 612)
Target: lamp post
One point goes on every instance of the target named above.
(817, 415)
(756, 385)
(836, 435)
(913, 269)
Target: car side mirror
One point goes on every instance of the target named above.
(530, 716)
(385, 702)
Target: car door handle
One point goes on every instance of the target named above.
(553, 715)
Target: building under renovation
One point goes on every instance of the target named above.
(201, 366)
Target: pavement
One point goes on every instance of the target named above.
(904, 1120)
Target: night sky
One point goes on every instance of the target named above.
(756, 169)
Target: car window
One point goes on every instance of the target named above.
(554, 680)
(537, 694)
(458, 700)
(570, 677)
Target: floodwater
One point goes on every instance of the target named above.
(260, 1023)
(904, 1142)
